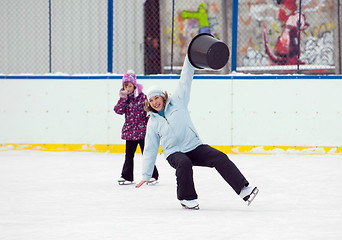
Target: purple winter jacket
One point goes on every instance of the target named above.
(136, 119)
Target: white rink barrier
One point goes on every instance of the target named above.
(250, 114)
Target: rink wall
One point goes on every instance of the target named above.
(246, 114)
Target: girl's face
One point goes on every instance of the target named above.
(129, 87)
(157, 103)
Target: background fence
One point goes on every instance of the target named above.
(151, 36)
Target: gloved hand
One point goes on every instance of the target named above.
(123, 93)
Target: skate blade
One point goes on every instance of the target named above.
(252, 195)
(193, 208)
(152, 182)
(126, 183)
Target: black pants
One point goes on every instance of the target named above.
(128, 167)
(205, 156)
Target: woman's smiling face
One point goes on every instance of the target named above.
(157, 103)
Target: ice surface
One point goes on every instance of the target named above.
(46, 195)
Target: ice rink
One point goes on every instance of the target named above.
(74, 196)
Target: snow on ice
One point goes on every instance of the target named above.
(73, 196)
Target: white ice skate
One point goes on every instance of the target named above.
(248, 194)
(190, 204)
(123, 181)
(152, 181)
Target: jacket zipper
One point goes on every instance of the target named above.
(168, 123)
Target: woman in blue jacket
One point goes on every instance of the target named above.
(170, 125)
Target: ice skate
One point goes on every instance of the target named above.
(123, 181)
(248, 194)
(153, 181)
(190, 204)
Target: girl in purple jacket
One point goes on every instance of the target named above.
(132, 103)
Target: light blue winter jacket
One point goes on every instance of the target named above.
(175, 132)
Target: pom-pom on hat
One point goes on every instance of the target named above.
(131, 77)
(155, 91)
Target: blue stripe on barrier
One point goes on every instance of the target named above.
(161, 77)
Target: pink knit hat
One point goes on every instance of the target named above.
(131, 77)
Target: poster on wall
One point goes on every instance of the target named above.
(282, 35)
(190, 18)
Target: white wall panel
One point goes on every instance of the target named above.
(287, 112)
(284, 112)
